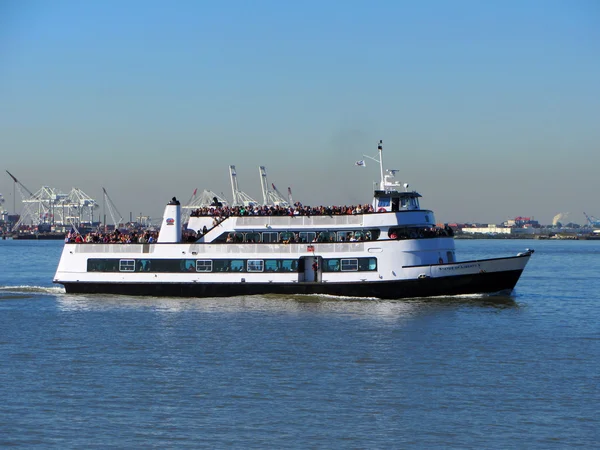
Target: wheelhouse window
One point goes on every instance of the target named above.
(127, 265)
(384, 202)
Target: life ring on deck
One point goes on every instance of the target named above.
(382, 209)
(441, 260)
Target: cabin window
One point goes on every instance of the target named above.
(271, 265)
(384, 202)
(289, 265)
(367, 264)
(307, 236)
(220, 265)
(450, 256)
(200, 265)
(373, 234)
(270, 237)
(331, 265)
(280, 265)
(168, 265)
(102, 265)
(204, 265)
(253, 237)
(326, 236)
(236, 265)
(343, 236)
(143, 265)
(255, 265)
(187, 265)
(127, 265)
(286, 237)
(349, 265)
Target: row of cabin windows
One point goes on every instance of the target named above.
(226, 265)
(299, 236)
(417, 232)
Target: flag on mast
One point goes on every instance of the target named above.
(360, 163)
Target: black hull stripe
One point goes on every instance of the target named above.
(458, 263)
(480, 283)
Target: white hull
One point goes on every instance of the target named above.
(390, 249)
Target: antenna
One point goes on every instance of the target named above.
(380, 150)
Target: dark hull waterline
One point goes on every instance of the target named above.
(480, 283)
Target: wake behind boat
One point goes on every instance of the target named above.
(390, 249)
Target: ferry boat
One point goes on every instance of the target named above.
(389, 249)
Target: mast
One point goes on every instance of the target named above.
(234, 188)
(380, 150)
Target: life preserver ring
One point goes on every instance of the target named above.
(382, 209)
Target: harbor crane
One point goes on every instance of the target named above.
(594, 223)
(115, 215)
(271, 196)
(49, 206)
(240, 198)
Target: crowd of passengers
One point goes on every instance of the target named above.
(218, 210)
(115, 237)
(294, 237)
(414, 233)
(150, 237)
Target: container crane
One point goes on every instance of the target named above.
(594, 223)
(240, 198)
(271, 196)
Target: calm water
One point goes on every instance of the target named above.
(303, 372)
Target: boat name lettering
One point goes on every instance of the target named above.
(462, 266)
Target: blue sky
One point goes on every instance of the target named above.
(489, 109)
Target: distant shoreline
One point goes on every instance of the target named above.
(546, 237)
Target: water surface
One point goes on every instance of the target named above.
(303, 371)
